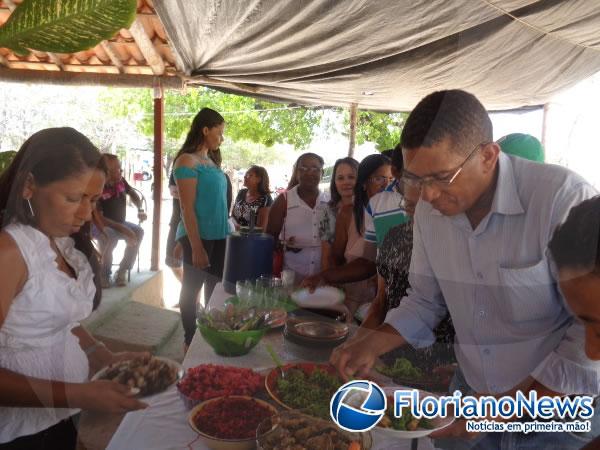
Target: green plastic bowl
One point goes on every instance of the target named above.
(231, 343)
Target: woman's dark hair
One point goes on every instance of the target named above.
(397, 160)
(335, 195)
(575, 243)
(51, 155)
(261, 172)
(294, 178)
(216, 157)
(110, 157)
(206, 117)
(366, 168)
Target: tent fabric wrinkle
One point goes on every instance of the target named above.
(385, 54)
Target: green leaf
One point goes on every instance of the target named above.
(65, 26)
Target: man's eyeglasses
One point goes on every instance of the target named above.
(311, 169)
(414, 181)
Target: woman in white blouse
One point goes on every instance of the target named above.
(294, 217)
(48, 284)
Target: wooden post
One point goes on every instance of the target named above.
(353, 121)
(545, 124)
(158, 153)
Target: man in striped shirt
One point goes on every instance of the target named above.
(480, 236)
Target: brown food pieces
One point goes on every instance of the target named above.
(150, 375)
(304, 434)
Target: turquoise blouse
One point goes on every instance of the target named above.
(211, 201)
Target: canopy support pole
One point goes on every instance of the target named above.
(545, 124)
(158, 154)
(353, 122)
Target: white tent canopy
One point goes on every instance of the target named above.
(386, 54)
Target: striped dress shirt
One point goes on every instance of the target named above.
(499, 286)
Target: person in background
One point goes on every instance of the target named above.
(202, 187)
(254, 199)
(575, 250)
(522, 145)
(293, 217)
(341, 189)
(112, 209)
(374, 174)
(49, 283)
(479, 242)
(383, 211)
(173, 254)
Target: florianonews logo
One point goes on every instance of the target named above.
(358, 405)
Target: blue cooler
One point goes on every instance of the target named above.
(249, 254)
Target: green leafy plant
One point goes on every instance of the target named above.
(65, 26)
(5, 160)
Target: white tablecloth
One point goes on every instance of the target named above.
(163, 425)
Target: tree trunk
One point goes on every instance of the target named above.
(352, 133)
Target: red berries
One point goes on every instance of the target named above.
(208, 381)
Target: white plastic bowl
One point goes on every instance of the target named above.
(322, 297)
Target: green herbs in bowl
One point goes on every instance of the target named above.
(402, 368)
(234, 331)
(231, 343)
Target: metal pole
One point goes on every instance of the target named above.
(352, 133)
(158, 153)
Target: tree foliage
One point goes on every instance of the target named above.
(253, 126)
(248, 119)
(383, 129)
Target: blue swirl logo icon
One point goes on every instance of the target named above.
(358, 405)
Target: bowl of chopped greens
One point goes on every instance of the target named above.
(234, 331)
(405, 373)
(407, 426)
(307, 387)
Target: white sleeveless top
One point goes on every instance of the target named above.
(302, 222)
(36, 338)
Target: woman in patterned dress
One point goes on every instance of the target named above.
(255, 199)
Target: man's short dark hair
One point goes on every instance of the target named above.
(453, 114)
(575, 244)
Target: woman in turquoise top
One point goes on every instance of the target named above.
(203, 196)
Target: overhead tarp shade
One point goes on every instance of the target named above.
(386, 54)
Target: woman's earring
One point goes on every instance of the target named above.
(30, 207)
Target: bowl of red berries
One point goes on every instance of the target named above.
(208, 381)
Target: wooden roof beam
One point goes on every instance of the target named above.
(88, 79)
(146, 47)
(114, 58)
(53, 57)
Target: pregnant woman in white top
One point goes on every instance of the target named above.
(47, 286)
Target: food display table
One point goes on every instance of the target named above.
(164, 424)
